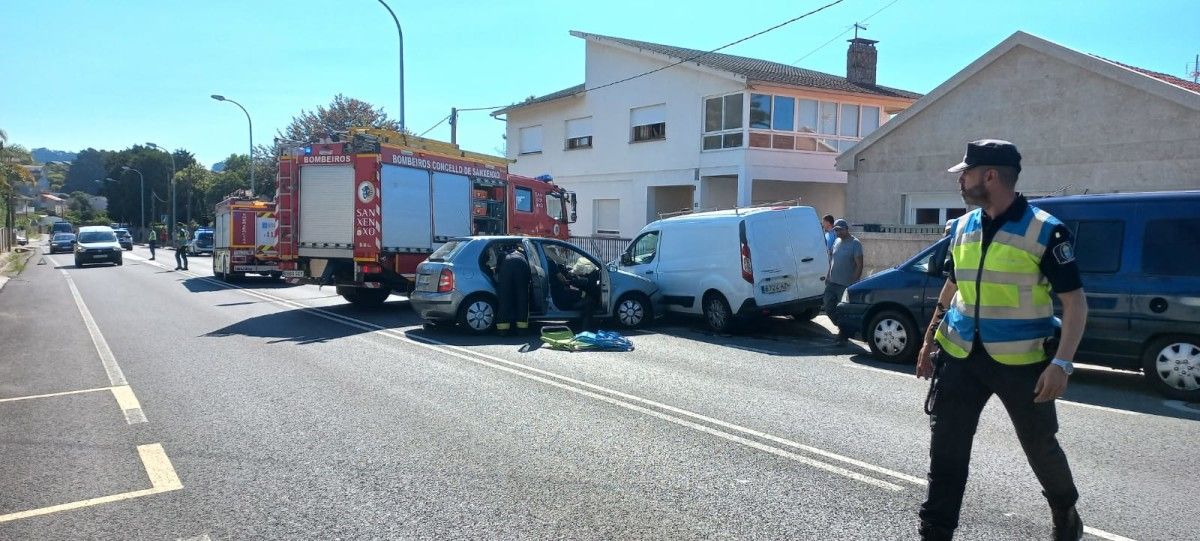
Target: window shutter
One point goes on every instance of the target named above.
(531, 139)
(579, 127)
(643, 116)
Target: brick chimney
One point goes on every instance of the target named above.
(861, 60)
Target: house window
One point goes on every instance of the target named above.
(531, 140)
(932, 208)
(760, 111)
(722, 115)
(648, 123)
(607, 213)
(579, 133)
(828, 120)
(808, 116)
(524, 199)
(870, 120)
(849, 120)
(783, 118)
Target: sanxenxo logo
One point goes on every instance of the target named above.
(366, 192)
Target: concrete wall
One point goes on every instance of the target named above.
(1074, 127)
(825, 198)
(883, 251)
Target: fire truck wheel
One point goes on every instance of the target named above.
(477, 314)
(363, 297)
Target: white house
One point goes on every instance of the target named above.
(1082, 123)
(657, 129)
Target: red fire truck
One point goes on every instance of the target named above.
(245, 238)
(362, 214)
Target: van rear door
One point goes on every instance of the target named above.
(788, 255)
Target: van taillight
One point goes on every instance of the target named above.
(446, 281)
(747, 266)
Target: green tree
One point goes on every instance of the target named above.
(190, 185)
(342, 114)
(88, 166)
(13, 175)
(56, 173)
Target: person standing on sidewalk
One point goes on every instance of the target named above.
(152, 242)
(994, 335)
(181, 246)
(845, 268)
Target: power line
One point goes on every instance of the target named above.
(445, 118)
(844, 32)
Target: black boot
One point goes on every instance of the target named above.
(1067, 524)
(929, 532)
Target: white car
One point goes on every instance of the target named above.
(732, 264)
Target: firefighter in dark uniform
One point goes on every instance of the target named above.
(512, 285)
(995, 333)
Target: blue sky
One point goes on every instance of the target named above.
(110, 74)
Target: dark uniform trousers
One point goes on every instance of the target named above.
(964, 387)
(512, 285)
(181, 256)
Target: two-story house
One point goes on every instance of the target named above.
(656, 129)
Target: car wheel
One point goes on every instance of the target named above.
(806, 315)
(717, 314)
(1172, 366)
(892, 336)
(120, 261)
(633, 311)
(477, 314)
(77, 263)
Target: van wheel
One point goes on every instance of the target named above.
(633, 311)
(477, 314)
(717, 314)
(1172, 366)
(892, 336)
(361, 297)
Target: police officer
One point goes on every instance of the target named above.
(181, 246)
(995, 332)
(512, 284)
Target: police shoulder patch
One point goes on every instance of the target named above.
(1064, 253)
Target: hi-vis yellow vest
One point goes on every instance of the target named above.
(1002, 294)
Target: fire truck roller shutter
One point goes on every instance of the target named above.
(326, 208)
(407, 210)
(451, 206)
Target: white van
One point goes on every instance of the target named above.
(735, 263)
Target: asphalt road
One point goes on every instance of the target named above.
(260, 410)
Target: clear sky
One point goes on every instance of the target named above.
(109, 74)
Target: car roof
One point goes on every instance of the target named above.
(92, 228)
(1191, 196)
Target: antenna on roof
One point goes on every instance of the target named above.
(1195, 70)
(857, 27)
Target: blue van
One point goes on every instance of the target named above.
(1139, 255)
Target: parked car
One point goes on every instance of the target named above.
(1139, 255)
(97, 244)
(733, 264)
(457, 284)
(21, 239)
(62, 242)
(201, 243)
(62, 227)
(124, 238)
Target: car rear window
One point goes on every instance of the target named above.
(446, 251)
(64, 236)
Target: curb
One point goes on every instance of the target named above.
(29, 252)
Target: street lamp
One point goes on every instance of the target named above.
(400, 33)
(174, 220)
(141, 193)
(219, 97)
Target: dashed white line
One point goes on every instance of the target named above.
(50, 395)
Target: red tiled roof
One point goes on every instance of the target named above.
(1169, 79)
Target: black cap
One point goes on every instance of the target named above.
(989, 152)
(841, 224)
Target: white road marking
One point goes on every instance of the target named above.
(129, 404)
(115, 377)
(1105, 535)
(49, 395)
(618, 398)
(201, 537)
(1060, 401)
(158, 469)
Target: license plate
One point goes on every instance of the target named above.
(776, 287)
(293, 274)
(99, 256)
(422, 279)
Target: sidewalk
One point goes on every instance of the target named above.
(12, 263)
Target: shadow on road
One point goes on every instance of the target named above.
(206, 284)
(1104, 387)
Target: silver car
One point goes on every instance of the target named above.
(457, 284)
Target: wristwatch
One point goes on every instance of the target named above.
(1066, 366)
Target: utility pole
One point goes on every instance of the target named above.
(1196, 70)
(454, 125)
